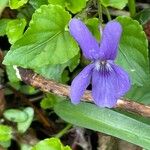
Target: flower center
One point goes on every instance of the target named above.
(103, 66)
(103, 63)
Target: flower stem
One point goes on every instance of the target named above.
(108, 14)
(132, 9)
(100, 12)
(63, 131)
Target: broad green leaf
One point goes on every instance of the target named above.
(15, 29)
(133, 50)
(106, 121)
(14, 4)
(23, 126)
(50, 144)
(114, 3)
(15, 115)
(5, 133)
(3, 25)
(55, 72)
(37, 3)
(93, 25)
(45, 42)
(73, 5)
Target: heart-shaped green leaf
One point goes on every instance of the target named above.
(45, 42)
(133, 50)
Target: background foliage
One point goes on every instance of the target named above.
(36, 36)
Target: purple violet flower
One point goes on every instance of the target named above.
(109, 81)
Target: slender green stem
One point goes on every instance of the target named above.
(100, 11)
(63, 131)
(132, 8)
(107, 13)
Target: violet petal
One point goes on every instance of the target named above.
(122, 80)
(107, 87)
(103, 90)
(80, 83)
(85, 39)
(110, 40)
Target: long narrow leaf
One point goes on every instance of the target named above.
(107, 121)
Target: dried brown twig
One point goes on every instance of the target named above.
(31, 78)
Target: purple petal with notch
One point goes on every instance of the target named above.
(107, 87)
(110, 40)
(80, 83)
(85, 39)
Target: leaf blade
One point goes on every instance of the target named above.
(50, 144)
(105, 120)
(133, 50)
(56, 45)
(14, 4)
(5, 133)
(114, 3)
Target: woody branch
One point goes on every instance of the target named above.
(45, 85)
